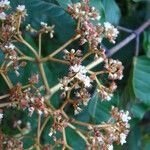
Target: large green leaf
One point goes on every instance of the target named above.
(138, 110)
(146, 43)
(141, 79)
(112, 11)
(64, 3)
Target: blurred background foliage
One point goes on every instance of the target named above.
(133, 92)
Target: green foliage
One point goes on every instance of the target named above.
(141, 79)
(112, 11)
(146, 43)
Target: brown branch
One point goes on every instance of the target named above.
(61, 48)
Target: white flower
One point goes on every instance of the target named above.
(125, 117)
(123, 138)
(40, 112)
(110, 147)
(44, 24)
(50, 134)
(31, 110)
(20, 8)
(2, 16)
(78, 68)
(29, 125)
(10, 46)
(4, 3)
(110, 31)
(1, 116)
(85, 79)
(81, 74)
(107, 26)
(77, 110)
(100, 139)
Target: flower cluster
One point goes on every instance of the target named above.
(91, 32)
(29, 97)
(114, 69)
(110, 32)
(44, 29)
(59, 122)
(9, 143)
(4, 4)
(73, 56)
(106, 93)
(77, 79)
(83, 11)
(10, 20)
(116, 130)
(11, 56)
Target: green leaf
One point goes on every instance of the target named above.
(146, 43)
(99, 110)
(141, 79)
(112, 11)
(64, 3)
(74, 140)
(138, 110)
(134, 139)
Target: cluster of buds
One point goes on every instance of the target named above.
(77, 79)
(21, 11)
(116, 130)
(9, 143)
(106, 93)
(59, 122)
(91, 32)
(11, 55)
(111, 32)
(47, 29)
(44, 29)
(4, 5)
(30, 97)
(83, 11)
(73, 56)
(114, 69)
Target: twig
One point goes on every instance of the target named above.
(137, 45)
(124, 29)
(43, 75)
(65, 140)
(79, 133)
(8, 104)
(61, 48)
(38, 129)
(40, 44)
(44, 124)
(4, 96)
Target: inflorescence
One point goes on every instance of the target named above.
(76, 86)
